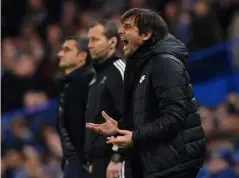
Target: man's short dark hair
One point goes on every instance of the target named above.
(110, 29)
(147, 21)
(82, 43)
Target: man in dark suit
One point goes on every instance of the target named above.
(73, 92)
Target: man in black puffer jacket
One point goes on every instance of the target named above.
(165, 138)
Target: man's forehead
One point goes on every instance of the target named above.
(129, 21)
(99, 29)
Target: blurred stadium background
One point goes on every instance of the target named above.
(32, 31)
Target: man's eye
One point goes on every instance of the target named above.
(66, 49)
(127, 27)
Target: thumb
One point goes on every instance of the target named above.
(122, 132)
(106, 116)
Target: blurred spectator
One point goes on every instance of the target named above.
(236, 159)
(9, 54)
(233, 34)
(36, 14)
(33, 166)
(20, 80)
(82, 32)
(220, 165)
(183, 30)
(172, 12)
(54, 38)
(52, 141)
(25, 66)
(211, 33)
(69, 18)
(207, 120)
(11, 161)
(21, 133)
(33, 100)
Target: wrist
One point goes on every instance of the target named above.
(116, 158)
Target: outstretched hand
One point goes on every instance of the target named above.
(109, 127)
(123, 141)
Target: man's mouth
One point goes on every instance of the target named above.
(125, 42)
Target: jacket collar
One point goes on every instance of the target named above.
(77, 73)
(143, 53)
(101, 65)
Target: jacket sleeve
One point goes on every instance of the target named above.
(169, 80)
(115, 87)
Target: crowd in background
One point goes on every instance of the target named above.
(32, 34)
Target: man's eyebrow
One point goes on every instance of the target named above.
(65, 47)
(127, 24)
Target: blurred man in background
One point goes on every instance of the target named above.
(221, 164)
(236, 159)
(161, 117)
(105, 94)
(74, 61)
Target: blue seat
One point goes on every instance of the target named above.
(211, 93)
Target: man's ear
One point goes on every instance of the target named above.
(113, 42)
(146, 36)
(82, 57)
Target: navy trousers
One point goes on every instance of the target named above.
(74, 169)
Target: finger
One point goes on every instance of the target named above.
(109, 138)
(116, 174)
(106, 116)
(108, 174)
(95, 128)
(92, 125)
(116, 141)
(123, 132)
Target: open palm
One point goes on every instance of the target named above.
(107, 128)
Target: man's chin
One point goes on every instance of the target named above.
(64, 67)
(94, 57)
(127, 53)
(61, 66)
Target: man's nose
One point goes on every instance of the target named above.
(121, 31)
(90, 45)
(59, 54)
